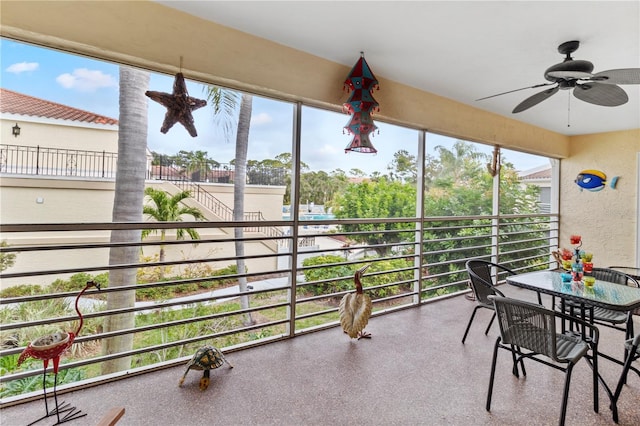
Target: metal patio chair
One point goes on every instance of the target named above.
(618, 320)
(528, 331)
(632, 348)
(481, 282)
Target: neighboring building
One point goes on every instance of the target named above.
(60, 168)
(541, 177)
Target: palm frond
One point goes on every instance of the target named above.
(225, 104)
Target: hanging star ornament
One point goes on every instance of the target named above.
(179, 106)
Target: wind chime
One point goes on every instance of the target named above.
(360, 82)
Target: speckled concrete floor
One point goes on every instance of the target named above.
(414, 371)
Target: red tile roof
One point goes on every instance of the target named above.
(541, 174)
(16, 103)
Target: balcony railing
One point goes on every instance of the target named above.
(214, 172)
(44, 161)
(48, 161)
(177, 304)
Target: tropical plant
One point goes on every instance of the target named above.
(127, 207)
(225, 107)
(164, 207)
(239, 183)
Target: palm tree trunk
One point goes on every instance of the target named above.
(127, 207)
(239, 183)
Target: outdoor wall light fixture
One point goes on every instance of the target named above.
(15, 130)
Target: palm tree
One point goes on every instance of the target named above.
(224, 104)
(239, 182)
(127, 207)
(167, 208)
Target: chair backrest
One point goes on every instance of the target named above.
(611, 275)
(526, 325)
(481, 279)
(614, 276)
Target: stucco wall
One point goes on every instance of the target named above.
(607, 219)
(62, 136)
(49, 200)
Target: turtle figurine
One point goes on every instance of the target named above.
(206, 358)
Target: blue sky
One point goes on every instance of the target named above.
(92, 85)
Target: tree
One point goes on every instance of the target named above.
(403, 167)
(167, 208)
(197, 164)
(127, 207)
(377, 199)
(224, 104)
(461, 186)
(239, 183)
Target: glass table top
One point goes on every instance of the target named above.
(603, 293)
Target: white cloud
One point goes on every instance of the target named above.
(262, 118)
(20, 67)
(86, 80)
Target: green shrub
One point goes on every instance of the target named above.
(22, 290)
(9, 364)
(327, 273)
(338, 271)
(76, 282)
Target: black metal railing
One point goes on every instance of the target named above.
(213, 172)
(45, 161)
(181, 301)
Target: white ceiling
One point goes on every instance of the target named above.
(462, 50)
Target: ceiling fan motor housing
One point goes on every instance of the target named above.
(569, 69)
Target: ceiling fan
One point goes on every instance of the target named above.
(598, 89)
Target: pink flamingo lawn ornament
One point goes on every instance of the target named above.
(51, 347)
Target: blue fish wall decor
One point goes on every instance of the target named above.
(594, 180)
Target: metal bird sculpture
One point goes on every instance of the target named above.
(355, 309)
(51, 347)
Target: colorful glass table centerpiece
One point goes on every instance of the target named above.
(577, 261)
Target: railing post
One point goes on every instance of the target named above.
(37, 159)
(103, 160)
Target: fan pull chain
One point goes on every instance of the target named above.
(569, 110)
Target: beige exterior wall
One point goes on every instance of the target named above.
(60, 134)
(607, 219)
(49, 200)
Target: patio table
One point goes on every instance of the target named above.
(604, 294)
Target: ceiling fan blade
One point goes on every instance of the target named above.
(620, 76)
(601, 94)
(516, 90)
(535, 99)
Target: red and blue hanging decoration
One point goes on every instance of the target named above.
(361, 104)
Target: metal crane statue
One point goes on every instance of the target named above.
(355, 309)
(51, 347)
